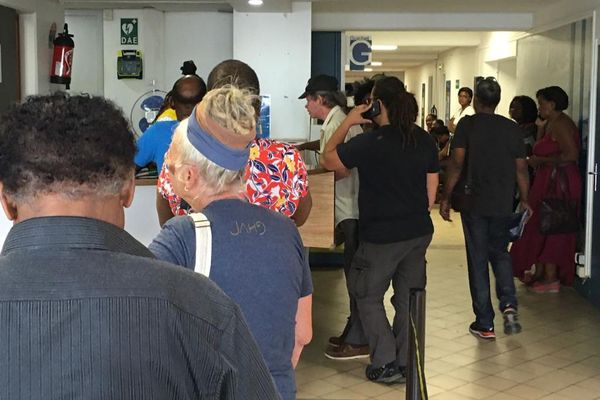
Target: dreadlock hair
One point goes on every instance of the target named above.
(401, 106)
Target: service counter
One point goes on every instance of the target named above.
(141, 220)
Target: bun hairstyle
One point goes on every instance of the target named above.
(232, 108)
(401, 106)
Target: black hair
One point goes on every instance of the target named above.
(466, 90)
(362, 91)
(439, 122)
(236, 73)
(431, 115)
(488, 92)
(73, 145)
(529, 111)
(556, 95)
(401, 106)
(440, 130)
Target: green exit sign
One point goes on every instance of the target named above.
(129, 31)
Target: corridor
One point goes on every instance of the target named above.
(557, 356)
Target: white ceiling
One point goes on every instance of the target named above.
(414, 48)
(438, 6)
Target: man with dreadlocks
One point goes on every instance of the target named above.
(398, 169)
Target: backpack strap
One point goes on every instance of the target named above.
(203, 243)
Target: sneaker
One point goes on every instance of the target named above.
(543, 287)
(347, 352)
(511, 321)
(388, 373)
(482, 333)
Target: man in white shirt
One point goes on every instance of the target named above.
(324, 101)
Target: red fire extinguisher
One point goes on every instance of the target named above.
(62, 59)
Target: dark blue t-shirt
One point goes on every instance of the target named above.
(154, 143)
(258, 260)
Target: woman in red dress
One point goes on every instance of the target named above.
(557, 146)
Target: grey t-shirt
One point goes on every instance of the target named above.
(257, 259)
(492, 144)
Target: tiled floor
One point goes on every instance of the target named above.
(557, 356)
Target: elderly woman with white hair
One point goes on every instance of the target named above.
(255, 255)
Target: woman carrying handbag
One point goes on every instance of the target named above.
(543, 259)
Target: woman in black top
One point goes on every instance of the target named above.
(398, 173)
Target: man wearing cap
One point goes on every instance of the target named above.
(154, 143)
(324, 101)
(254, 254)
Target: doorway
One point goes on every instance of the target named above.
(9, 58)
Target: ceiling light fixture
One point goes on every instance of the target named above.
(384, 47)
(376, 63)
(255, 2)
(368, 69)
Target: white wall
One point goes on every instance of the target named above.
(206, 38)
(88, 55)
(278, 47)
(151, 31)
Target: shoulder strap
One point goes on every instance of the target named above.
(203, 243)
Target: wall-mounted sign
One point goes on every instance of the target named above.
(359, 52)
(129, 31)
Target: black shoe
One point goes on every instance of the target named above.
(511, 321)
(481, 332)
(386, 374)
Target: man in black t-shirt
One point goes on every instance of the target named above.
(398, 172)
(492, 148)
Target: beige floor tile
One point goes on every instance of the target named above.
(578, 393)
(555, 381)
(527, 392)
(496, 383)
(446, 382)
(475, 391)
(371, 389)
(319, 387)
(592, 383)
(557, 356)
(504, 396)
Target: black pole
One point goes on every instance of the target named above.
(416, 387)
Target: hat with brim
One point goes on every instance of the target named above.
(320, 83)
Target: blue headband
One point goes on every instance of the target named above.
(217, 152)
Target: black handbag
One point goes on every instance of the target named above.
(558, 213)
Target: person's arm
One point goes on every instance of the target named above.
(163, 209)
(329, 158)
(303, 327)
(455, 166)
(451, 125)
(568, 149)
(303, 209)
(433, 181)
(315, 145)
(523, 183)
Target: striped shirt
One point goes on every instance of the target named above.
(86, 313)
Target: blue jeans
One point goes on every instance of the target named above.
(486, 240)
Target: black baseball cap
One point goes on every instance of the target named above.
(320, 83)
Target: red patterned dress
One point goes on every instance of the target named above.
(276, 178)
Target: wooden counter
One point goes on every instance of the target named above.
(317, 231)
